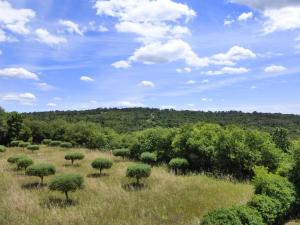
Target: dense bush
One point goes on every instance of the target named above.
(248, 215)
(54, 143)
(74, 156)
(14, 143)
(24, 162)
(33, 147)
(2, 148)
(66, 183)
(13, 159)
(66, 145)
(23, 144)
(40, 170)
(178, 165)
(222, 217)
(148, 158)
(102, 163)
(121, 152)
(46, 141)
(138, 171)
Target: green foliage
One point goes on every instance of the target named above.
(55, 143)
(121, 152)
(178, 164)
(41, 170)
(33, 147)
(23, 144)
(14, 124)
(74, 156)
(248, 215)
(2, 148)
(281, 139)
(148, 158)
(66, 183)
(46, 141)
(222, 217)
(13, 159)
(15, 143)
(24, 162)
(102, 163)
(138, 171)
(66, 145)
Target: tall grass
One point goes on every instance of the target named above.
(165, 199)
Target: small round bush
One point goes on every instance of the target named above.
(14, 143)
(121, 152)
(248, 215)
(138, 171)
(74, 156)
(148, 158)
(54, 143)
(23, 144)
(13, 159)
(24, 162)
(178, 164)
(33, 147)
(66, 145)
(101, 164)
(66, 183)
(40, 170)
(2, 148)
(222, 217)
(46, 141)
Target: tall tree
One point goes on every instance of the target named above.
(281, 139)
(14, 124)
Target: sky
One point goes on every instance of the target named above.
(210, 55)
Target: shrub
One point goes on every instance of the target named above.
(2, 148)
(66, 145)
(33, 147)
(222, 217)
(178, 164)
(14, 143)
(74, 156)
(148, 157)
(138, 171)
(40, 170)
(54, 143)
(101, 164)
(66, 183)
(248, 215)
(23, 144)
(15, 158)
(46, 141)
(121, 152)
(23, 163)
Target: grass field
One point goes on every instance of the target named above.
(165, 199)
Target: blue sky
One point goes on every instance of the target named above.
(183, 54)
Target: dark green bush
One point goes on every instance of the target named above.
(102, 163)
(55, 143)
(13, 159)
(40, 170)
(66, 183)
(23, 163)
(148, 158)
(74, 156)
(2, 148)
(46, 141)
(178, 164)
(14, 143)
(248, 215)
(222, 217)
(23, 144)
(66, 145)
(138, 171)
(121, 153)
(33, 147)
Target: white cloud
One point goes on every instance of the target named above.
(267, 4)
(121, 64)
(87, 79)
(2, 36)
(45, 37)
(18, 73)
(23, 98)
(102, 28)
(51, 104)
(13, 19)
(93, 27)
(186, 69)
(147, 83)
(275, 69)
(204, 81)
(57, 98)
(245, 16)
(228, 70)
(71, 26)
(189, 82)
(228, 22)
(129, 104)
(206, 100)
(44, 86)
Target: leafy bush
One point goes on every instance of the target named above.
(178, 164)
(23, 144)
(23, 163)
(74, 156)
(66, 183)
(40, 170)
(2, 148)
(66, 145)
(46, 141)
(55, 143)
(148, 158)
(121, 153)
(222, 217)
(13, 159)
(14, 143)
(101, 164)
(33, 147)
(248, 215)
(138, 171)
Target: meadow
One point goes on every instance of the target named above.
(165, 198)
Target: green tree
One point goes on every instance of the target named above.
(280, 137)
(41, 170)
(101, 163)
(74, 156)
(138, 171)
(14, 123)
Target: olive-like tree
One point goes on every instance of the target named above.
(2, 148)
(66, 145)
(14, 159)
(46, 141)
(148, 158)
(15, 143)
(121, 152)
(178, 164)
(24, 162)
(74, 156)
(138, 171)
(66, 183)
(33, 147)
(55, 143)
(41, 170)
(23, 144)
(102, 163)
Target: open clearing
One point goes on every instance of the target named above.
(165, 199)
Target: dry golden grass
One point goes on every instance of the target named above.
(165, 199)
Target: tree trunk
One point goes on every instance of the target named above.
(42, 181)
(67, 197)
(137, 181)
(100, 171)
(72, 161)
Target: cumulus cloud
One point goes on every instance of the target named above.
(45, 37)
(18, 73)
(23, 98)
(228, 70)
(44, 86)
(147, 83)
(228, 22)
(86, 79)
(245, 16)
(275, 69)
(189, 82)
(121, 64)
(51, 104)
(129, 104)
(71, 27)
(185, 69)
